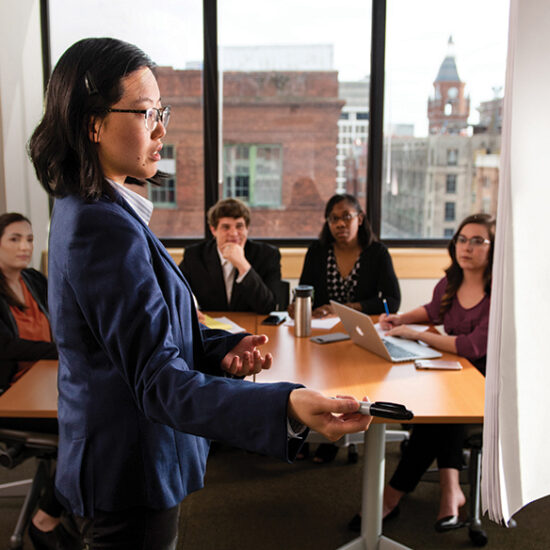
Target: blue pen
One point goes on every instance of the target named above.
(385, 306)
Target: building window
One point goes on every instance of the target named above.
(253, 173)
(344, 116)
(362, 116)
(164, 195)
(448, 232)
(452, 157)
(450, 183)
(449, 211)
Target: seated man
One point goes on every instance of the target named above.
(230, 272)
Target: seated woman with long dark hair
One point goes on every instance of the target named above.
(460, 302)
(25, 334)
(25, 337)
(349, 265)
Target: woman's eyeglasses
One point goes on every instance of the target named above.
(474, 241)
(152, 115)
(347, 217)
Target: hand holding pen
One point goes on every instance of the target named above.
(388, 320)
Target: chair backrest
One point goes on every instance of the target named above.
(283, 295)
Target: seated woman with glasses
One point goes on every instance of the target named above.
(349, 265)
(460, 302)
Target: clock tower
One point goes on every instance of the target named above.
(448, 109)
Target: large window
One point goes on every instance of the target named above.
(278, 112)
(294, 95)
(445, 69)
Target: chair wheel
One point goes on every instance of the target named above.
(478, 537)
(353, 455)
(16, 542)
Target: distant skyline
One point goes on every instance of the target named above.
(170, 31)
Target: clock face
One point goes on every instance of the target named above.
(452, 93)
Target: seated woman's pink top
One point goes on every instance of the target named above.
(470, 326)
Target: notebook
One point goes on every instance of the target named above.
(363, 332)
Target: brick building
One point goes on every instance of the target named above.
(280, 132)
(449, 108)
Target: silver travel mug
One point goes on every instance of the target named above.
(303, 298)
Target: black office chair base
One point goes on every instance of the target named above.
(18, 446)
(477, 535)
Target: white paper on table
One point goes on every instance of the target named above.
(326, 323)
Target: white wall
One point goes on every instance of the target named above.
(21, 93)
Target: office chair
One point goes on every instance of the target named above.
(283, 295)
(15, 447)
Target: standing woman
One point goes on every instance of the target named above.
(141, 382)
(347, 264)
(461, 302)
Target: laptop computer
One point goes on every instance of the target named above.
(363, 332)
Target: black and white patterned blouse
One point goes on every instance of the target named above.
(340, 289)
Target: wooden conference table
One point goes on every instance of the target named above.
(34, 395)
(336, 368)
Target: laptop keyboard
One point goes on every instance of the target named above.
(397, 352)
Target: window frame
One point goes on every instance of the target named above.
(213, 180)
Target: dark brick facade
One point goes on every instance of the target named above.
(296, 110)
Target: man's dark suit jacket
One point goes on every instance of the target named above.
(257, 292)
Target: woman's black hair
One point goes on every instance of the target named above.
(454, 272)
(86, 81)
(365, 234)
(5, 291)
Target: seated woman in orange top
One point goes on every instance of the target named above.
(25, 337)
(24, 327)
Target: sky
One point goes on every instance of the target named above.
(417, 31)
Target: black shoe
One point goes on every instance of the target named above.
(448, 523)
(57, 539)
(326, 452)
(355, 523)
